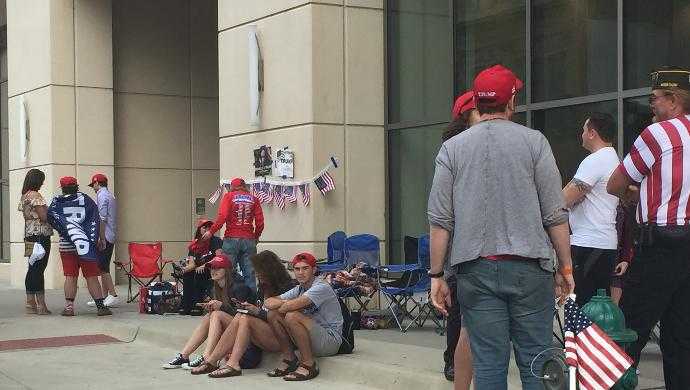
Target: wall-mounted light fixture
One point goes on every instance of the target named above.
(255, 77)
(23, 130)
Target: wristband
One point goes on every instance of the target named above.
(436, 275)
(568, 270)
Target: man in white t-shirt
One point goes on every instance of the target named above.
(592, 219)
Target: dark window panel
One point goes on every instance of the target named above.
(636, 116)
(420, 77)
(487, 33)
(573, 48)
(654, 34)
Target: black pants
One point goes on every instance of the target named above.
(592, 270)
(657, 288)
(196, 287)
(34, 282)
(453, 324)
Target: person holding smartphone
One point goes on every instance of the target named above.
(250, 331)
(221, 310)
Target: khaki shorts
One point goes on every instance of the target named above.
(323, 342)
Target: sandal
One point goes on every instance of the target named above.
(312, 372)
(204, 368)
(31, 309)
(280, 372)
(43, 311)
(225, 372)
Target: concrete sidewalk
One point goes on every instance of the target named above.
(384, 359)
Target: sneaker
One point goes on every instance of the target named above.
(91, 303)
(104, 311)
(193, 363)
(111, 301)
(68, 311)
(177, 362)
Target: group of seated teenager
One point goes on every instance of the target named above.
(299, 319)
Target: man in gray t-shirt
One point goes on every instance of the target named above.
(307, 317)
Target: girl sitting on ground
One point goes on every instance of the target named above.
(251, 330)
(195, 277)
(227, 287)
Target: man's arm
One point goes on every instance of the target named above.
(223, 211)
(258, 219)
(622, 186)
(560, 238)
(574, 192)
(298, 303)
(441, 216)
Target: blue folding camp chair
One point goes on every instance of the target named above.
(361, 248)
(336, 253)
(424, 306)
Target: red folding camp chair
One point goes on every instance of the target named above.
(145, 265)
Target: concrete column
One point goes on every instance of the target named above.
(60, 62)
(166, 110)
(323, 95)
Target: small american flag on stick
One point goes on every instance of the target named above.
(290, 194)
(600, 362)
(306, 194)
(325, 183)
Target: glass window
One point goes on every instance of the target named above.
(487, 33)
(563, 128)
(420, 65)
(411, 156)
(655, 34)
(573, 48)
(636, 116)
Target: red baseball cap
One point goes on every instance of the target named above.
(496, 85)
(463, 103)
(203, 222)
(237, 182)
(304, 257)
(98, 178)
(220, 260)
(67, 181)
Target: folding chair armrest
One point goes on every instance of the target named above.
(122, 264)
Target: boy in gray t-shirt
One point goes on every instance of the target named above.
(307, 317)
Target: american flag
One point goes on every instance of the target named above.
(325, 183)
(599, 360)
(269, 190)
(215, 195)
(306, 194)
(262, 193)
(279, 197)
(256, 189)
(290, 194)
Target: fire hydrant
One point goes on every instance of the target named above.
(609, 317)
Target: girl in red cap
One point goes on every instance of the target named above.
(228, 288)
(195, 276)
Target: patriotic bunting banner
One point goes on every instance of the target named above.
(281, 192)
(290, 194)
(306, 194)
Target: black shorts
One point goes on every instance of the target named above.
(104, 257)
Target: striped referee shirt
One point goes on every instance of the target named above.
(660, 161)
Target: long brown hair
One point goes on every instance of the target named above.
(223, 293)
(457, 126)
(33, 180)
(275, 279)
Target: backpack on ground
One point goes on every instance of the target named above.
(348, 343)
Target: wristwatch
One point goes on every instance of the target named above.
(436, 275)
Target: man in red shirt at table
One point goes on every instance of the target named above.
(243, 218)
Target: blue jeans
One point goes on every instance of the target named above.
(506, 301)
(240, 250)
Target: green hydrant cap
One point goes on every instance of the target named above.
(609, 317)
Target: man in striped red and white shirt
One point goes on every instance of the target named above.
(658, 282)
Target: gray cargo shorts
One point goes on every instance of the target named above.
(323, 342)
